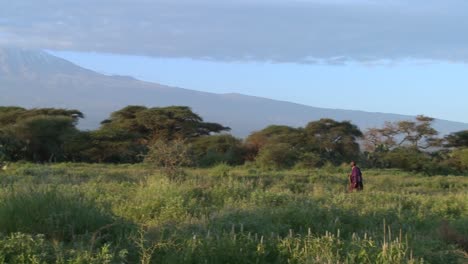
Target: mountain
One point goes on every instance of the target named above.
(37, 79)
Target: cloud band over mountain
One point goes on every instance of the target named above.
(298, 31)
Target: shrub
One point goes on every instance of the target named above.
(212, 150)
(309, 160)
(221, 170)
(410, 159)
(171, 156)
(459, 159)
(276, 156)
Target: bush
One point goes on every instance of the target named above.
(212, 150)
(277, 156)
(309, 160)
(411, 159)
(171, 156)
(221, 170)
(459, 159)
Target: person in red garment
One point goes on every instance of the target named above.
(355, 178)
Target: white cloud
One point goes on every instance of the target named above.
(276, 30)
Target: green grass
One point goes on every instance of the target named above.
(82, 213)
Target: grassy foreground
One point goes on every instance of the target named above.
(81, 213)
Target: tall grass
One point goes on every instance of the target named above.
(67, 213)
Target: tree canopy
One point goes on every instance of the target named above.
(161, 123)
(419, 134)
(216, 149)
(137, 133)
(10, 115)
(334, 141)
(458, 139)
(37, 134)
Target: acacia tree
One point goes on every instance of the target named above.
(275, 134)
(332, 140)
(11, 115)
(215, 149)
(418, 134)
(161, 123)
(319, 141)
(457, 154)
(457, 140)
(37, 134)
(277, 156)
(409, 145)
(44, 136)
(106, 145)
(11, 148)
(380, 139)
(137, 130)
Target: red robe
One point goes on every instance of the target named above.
(355, 179)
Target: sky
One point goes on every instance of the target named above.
(407, 57)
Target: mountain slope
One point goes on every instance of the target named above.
(38, 79)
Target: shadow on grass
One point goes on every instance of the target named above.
(63, 216)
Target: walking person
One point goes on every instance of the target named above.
(355, 178)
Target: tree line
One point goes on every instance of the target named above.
(136, 133)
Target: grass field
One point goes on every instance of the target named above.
(81, 213)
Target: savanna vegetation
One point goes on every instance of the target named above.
(102, 213)
(134, 133)
(161, 185)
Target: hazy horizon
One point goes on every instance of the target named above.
(226, 77)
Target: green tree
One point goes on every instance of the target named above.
(133, 130)
(459, 159)
(334, 141)
(161, 123)
(410, 159)
(277, 156)
(109, 145)
(10, 115)
(409, 145)
(215, 149)
(11, 148)
(272, 135)
(458, 139)
(44, 136)
(37, 134)
(126, 119)
(418, 134)
(3, 152)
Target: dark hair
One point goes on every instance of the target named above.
(353, 163)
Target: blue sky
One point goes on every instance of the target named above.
(397, 56)
(434, 88)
